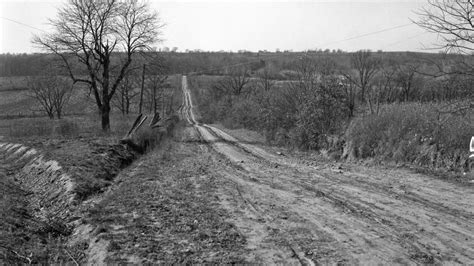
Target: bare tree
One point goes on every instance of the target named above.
(388, 84)
(405, 78)
(306, 78)
(156, 81)
(101, 38)
(318, 95)
(375, 95)
(350, 95)
(265, 81)
(51, 92)
(156, 85)
(365, 67)
(236, 82)
(127, 91)
(382, 90)
(453, 20)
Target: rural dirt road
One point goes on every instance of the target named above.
(206, 196)
(292, 211)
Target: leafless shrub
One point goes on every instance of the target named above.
(51, 92)
(265, 81)
(156, 92)
(235, 83)
(365, 69)
(126, 92)
(407, 80)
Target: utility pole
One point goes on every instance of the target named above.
(141, 91)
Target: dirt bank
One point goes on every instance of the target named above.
(42, 196)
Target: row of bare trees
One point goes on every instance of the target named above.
(53, 92)
(372, 81)
(369, 80)
(154, 98)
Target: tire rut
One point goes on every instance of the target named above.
(331, 217)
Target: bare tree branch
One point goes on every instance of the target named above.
(88, 34)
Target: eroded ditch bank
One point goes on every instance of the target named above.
(42, 197)
(48, 186)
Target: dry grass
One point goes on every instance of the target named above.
(25, 238)
(412, 132)
(69, 127)
(168, 214)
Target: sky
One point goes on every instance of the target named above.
(250, 25)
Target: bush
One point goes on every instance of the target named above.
(287, 114)
(411, 132)
(243, 113)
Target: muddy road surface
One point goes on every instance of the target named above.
(291, 211)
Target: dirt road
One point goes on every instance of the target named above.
(294, 212)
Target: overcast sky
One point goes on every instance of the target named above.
(251, 25)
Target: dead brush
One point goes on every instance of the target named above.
(412, 133)
(144, 139)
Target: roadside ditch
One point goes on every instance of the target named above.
(47, 188)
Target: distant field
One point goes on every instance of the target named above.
(21, 116)
(16, 101)
(13, 83)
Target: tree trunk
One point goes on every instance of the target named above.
(105, 114)
(154, 99)
(141, 91)
(362, 93)
(122, 101)
(127, 106)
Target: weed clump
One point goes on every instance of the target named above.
(412, 132)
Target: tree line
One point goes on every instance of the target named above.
(97, 44)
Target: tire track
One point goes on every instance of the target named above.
(363, 218)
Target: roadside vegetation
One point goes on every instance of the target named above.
(418, 133)
(375, 105)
